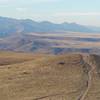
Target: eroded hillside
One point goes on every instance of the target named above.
(49, 77)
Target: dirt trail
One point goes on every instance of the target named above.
(90, 61)
(53, 95)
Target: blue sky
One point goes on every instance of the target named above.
(80, 11)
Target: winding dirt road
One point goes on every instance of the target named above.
(88, 60)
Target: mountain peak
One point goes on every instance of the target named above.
(28, 25)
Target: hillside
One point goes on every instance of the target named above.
(25, 35)
(53, 43)
(26, 76)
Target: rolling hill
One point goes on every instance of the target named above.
(46, 37)
(52, 43)
(26, 76)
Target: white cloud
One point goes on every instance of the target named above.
(33, 1)
(6, 2)
(78, 14)
(21, 9)
(40, 1)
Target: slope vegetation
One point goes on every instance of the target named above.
(49, 77)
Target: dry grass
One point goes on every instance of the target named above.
(48, 77)
(8, 58)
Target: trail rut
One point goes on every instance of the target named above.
(88, 59)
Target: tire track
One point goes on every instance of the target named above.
(88, 60)
(54, 95)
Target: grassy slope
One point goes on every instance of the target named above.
(31, 76)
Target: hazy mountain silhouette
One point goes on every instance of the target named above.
(9, 26)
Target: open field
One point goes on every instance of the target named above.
(26, 76)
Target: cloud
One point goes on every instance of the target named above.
(40, 1)
(7, 2)
(33, 1)
(20, 9)
(78, 14)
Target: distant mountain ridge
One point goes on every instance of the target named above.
(9, 26)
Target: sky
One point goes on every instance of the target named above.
(85, 12)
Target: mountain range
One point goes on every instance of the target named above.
(46, 37)
(9, 26)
